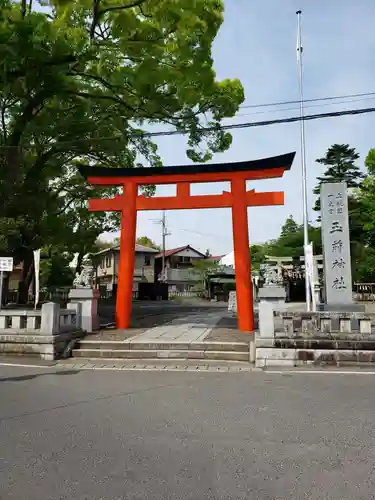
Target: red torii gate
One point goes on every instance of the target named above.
(238, 199)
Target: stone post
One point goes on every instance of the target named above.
(50, 323)
(77, 307)
(266, 320)
(88, 298)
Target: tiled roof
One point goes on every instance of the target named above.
(142, 248)
(173, 251)
(216, 257)
(138, 248)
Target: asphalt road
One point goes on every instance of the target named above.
(141, 435)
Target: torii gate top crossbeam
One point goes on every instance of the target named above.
(265, 168)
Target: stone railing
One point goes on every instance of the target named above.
(364, 292)
(296, 338)
(52, 331)
(20, 320)
(320, 324)
(50, 320)
(45, 333)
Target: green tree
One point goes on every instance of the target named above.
(202, 268)
(370, 162)
(55, 271)
(147, 242)
(291, 240)
(80, 82)
(362, 225)
(258, 256)
(340, 160)
(290, 227)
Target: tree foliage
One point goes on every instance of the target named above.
(147, 242)
(340, 160)
(290, 243)
(202, 268)
(80, 81)
(362, 225)
(258, 256)
(55, 271)
(290, 227)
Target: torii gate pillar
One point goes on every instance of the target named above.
(242, 260)
(126, 264)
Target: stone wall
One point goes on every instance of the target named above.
(290, 339)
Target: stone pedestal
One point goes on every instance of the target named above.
(88, 298)
(273, 294)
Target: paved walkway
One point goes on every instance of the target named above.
(193, 328)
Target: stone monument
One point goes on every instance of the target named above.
(273, 290)
(86, 278)
(83, 293)
(336, 248)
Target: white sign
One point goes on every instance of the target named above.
(309, 272)
(6, 264)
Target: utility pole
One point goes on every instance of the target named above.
(303, 157)
(164, 234)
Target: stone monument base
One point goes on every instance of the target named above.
(273, 294)
(341, 307)
(88, 297)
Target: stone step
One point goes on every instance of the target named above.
(157, 354)
(162, 346)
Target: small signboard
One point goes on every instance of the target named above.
(232, 303)
(6, 264)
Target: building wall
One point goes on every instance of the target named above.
(144, 268)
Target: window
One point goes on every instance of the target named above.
(183, 260)
(147, 260)
(108, 261)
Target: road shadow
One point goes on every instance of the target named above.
(23, 378)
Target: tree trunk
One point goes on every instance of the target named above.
(27, 276)
(79, 263)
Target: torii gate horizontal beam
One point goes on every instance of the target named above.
(186, 201)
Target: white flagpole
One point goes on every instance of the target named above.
(37, 273)
(303, 157)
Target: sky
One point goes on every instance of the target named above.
(257, 44)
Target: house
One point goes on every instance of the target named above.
(106, 263)
(179, 268)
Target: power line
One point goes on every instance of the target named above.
(264, 123)
(282, 103)
(267, 122)
(297, 107)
